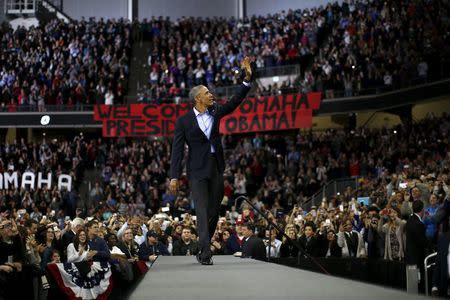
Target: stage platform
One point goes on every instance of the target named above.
(181, 277)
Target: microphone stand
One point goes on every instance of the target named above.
(279, 229)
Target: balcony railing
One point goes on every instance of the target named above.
(20, 6)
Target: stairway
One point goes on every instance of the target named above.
(139, 70)
(47, 11)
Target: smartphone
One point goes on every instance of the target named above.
(194, 218)
(165, 209)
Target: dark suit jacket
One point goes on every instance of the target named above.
(440, 273)
(66, 239)
(254, 248)
(323, 246)
(416, 242)
(311, 247)
(187, 131)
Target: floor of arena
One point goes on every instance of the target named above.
(181, 277)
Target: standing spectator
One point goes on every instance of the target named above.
(97, 244)
(429, 220)
(275, 244)
(128, 245)
(288, 249)
(253, 246)
(69, 235)
(150, 250)
(109, 97)
(308, 241)
(416, 240)
(393, 232)
(373, 237)
(350, 241)
(186, 245)
(11, 258)
(441, 271)
(78, 250)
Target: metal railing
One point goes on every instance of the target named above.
(20, 6)
(282, 70)
(47, 108)
(330, 189)
(426, 267)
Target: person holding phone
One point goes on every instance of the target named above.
(199, 129)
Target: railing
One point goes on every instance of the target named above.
(426, 267)
(330, 189)
(20, 6)
(47, 108)
(386, 100)
(54, 8)
(283, 70)
(58, 4)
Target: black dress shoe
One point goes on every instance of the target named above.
(207, 262)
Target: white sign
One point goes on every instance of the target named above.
(29, 180)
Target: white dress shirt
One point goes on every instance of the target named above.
(74, 256)
(205, 122)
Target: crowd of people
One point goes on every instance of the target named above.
(368, 49)
(355, 47)
(64, 64)
(130, 207)
(192, 51)
(381, 46)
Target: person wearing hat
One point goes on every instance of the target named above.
(199, 129)
(152, 248)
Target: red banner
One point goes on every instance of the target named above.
(253, 115)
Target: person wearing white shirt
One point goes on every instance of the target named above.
(275, 244)
(109, 97)
(78, 250)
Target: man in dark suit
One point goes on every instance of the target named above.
(416, 240)
(199, 129)
(441, 271)
(253, 246)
